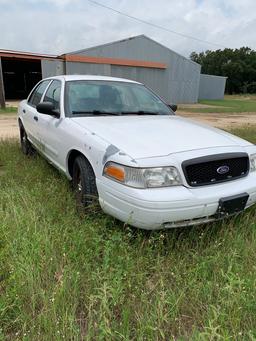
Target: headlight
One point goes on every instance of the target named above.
(253, 163)
(143, 177)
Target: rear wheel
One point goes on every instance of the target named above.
(25, 144)
(84, 183)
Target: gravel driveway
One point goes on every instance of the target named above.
(223, 120)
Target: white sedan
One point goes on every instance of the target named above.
(120, 143)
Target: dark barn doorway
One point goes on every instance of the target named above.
(20, 76)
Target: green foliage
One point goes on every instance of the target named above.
(239, 65)
(64, 276)
(235, 105)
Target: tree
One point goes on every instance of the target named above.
(239, 65)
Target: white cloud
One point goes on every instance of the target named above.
(59, 26)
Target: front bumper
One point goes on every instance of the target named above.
(169, 207)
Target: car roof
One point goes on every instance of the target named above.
(92, 78)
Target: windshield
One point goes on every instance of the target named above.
(87, 98)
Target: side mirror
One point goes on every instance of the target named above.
(47, 108)
(174, 107)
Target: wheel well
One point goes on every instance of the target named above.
(71, 159)
(20, 123)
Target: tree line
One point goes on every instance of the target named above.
(239, 65)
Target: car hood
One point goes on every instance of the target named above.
(154, 136)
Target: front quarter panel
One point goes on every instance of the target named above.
(97, 150)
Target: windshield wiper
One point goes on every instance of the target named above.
(95, 112)
(140, 112)
(100, 112)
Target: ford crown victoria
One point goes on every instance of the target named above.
(119, 142)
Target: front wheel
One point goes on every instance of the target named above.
(84, 183)
(25, 144)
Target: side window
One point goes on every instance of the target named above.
(53, 94)
(36, 95)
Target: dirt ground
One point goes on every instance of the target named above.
(220, 120)
(9, 126)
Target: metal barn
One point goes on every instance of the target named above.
(172, 76)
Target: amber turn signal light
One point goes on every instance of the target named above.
(115, 172)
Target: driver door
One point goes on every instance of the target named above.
(30, 115)
(49, 126)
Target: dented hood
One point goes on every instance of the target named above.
(154, 136)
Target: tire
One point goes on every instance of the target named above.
(26, 146)
(84, 183)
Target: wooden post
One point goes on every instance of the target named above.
(2, 97)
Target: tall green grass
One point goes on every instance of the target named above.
(67, 276)
(230, 104)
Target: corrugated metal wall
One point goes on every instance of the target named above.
(153, 78)
(212, 87)
(73, 68)
(52, 67)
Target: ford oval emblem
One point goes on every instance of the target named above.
(223, 170)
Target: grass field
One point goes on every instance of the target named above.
(230, 104)
(8, 110)
(64, 276)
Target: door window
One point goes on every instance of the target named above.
(53, 94)
(37, 94)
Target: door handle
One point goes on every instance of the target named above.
(35, 118)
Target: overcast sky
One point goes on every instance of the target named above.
(59, 26)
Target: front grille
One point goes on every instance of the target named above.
(214, 169)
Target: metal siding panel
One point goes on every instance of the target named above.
(139, 48)
(124, 72)
(52, 68)
(73, 68)
(212, 87)
(155, 79)
(184, 79)
(174, 92)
